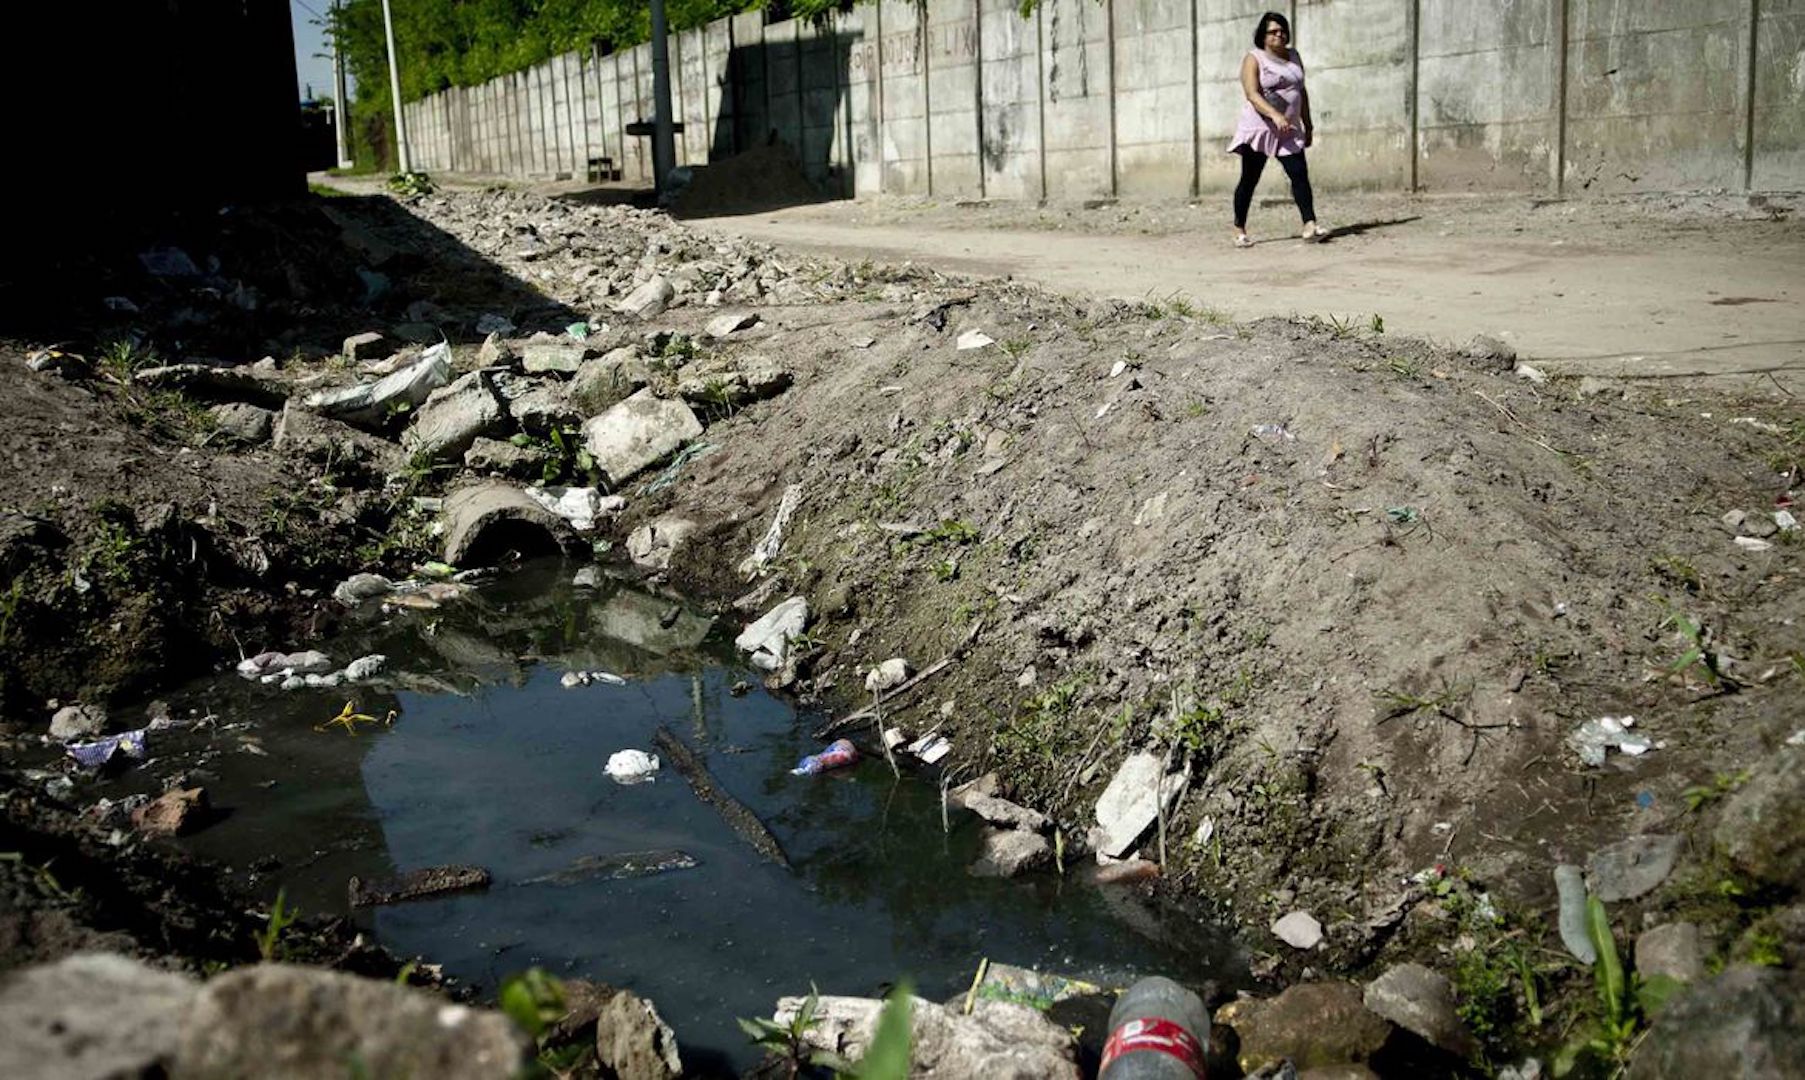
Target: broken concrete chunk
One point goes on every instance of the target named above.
(1131, 802)
(91, 1015)
(1676, 950)
(652, 545)
(77, 722)
(543, 355)
(997, 1040)
(500, 458)
(768, 639)
(243, 423)
(174, 813)
(632, 1040)
(1002, 812)
(609, 378)
(754, 380)
(1421, 1001)
(1299, 929)
(637, 433)
(724, 326)
(974, 339)
(452, 418)
(887, 675)
(1631, 868)
(649, 300)
(416, 885)
(357, 588)
(369, 345)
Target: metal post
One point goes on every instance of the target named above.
(340, 104)
(388, 29)
(664, 150)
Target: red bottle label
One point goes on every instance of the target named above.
(1158, 1036)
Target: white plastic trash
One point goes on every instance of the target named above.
(632, 766)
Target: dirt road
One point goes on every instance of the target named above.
(1611, 289)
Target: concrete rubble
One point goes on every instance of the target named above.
(997, 1040)
(637, 433)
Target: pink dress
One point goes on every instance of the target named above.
(1282, 84)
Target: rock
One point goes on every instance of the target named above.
(542, 408)
(649, 300)
(1002, 812)
(452, 418)
(91, 1015)
(1734, 520)
(1421, 1001)
(755, 380)
(499, 458)
(609, 378)
(1131, 802)
(1008, 852)
(973, 339)
(1762, 829)
(637, 433)
(543, 355)
(1490, 354)
(365, 667)
(495, 351)
(173, 813)
(998, 1040)
(243, 423)
(1314, 1024)
(652, 545)
(77, 722)
(1631, 868)
(887, 675)
(1676, 950)
(371, 404)
(724, 326)
(768, 639)
(416, 885)
(1299, 929)
(369, 345)
(1746, 1023)
(1760, 526)
(633, 1041)
(281, 1020)
(1593, 386)
(483, 520)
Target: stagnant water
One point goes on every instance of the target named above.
(491, 762)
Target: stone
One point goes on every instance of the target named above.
(369, 345)
(997, 1040)
(495, 351)
(768, 639)
(634, 1042)
(174, 813)
(1491, 354)
(1316, 1025)
(1760, 526)
(887, 675)
(309, 435)
(91, 1015)
(1421, 1001)
(1002, 812)
(652, 544)
(501, 458)
(77, 722)
(243, 423)
(282, 1020)
(1631, 868)
(485, 519)
(609, 378)
(755, 380)
(725, 326)
(1131, 802)
(542, 355)
(1676, 950)
(1762, 829)
(1733, 521)
(1746, 1023)
(1008, 852)
(1593, 386)
(452, 418)
(416, 885)
(637, 433)
(1299, 929)
(544, 408)
(365, 667)
(649, 300)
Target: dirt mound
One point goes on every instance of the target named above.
(764, 178)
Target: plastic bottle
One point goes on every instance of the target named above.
(839, 752)
(1157, 1031)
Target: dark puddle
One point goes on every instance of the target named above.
(491, 762)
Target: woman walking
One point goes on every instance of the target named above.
(1275, 122)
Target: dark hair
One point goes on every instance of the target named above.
(1259, 34)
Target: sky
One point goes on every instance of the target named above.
(313, 57)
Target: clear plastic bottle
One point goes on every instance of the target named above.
(1157, 1031)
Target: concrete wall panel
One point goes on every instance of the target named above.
(1356, 57)
(783, 83)
(1779, 102)
(1487, 95)
(1154, 110)
(1224, 34)
(902, 49)
(717, 112)
(1010, 78)
(746, 79)
(952, 63)
(1075, 59)
(819, 81)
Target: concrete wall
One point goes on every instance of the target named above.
(1139, 98)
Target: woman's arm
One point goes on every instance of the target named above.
(1250, 86)
(1303, 112)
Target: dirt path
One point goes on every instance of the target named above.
(1584, 289)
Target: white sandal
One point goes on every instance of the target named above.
(1317, 235)
(1242, 240)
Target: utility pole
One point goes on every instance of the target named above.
(664, 147)
(388, 29)
(341, 105)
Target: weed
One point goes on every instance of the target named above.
(1703, 795)
(946, 570)
(1699, 653)
(1377, 326)
(1394, 704)
(535, 1002)
(1404, 367)
(1764, 948)
(786, 1046)
(408, 184)
(1196, 408)
(1016, 348)
(1678, 571)
(280, 918)
(123, 359)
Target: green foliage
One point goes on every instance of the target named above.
(786, 1045)
(1703, 795)
(411, 183)
(535, 1002)
(281, 917)
(888, 1056)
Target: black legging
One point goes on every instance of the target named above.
(1253, 163)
